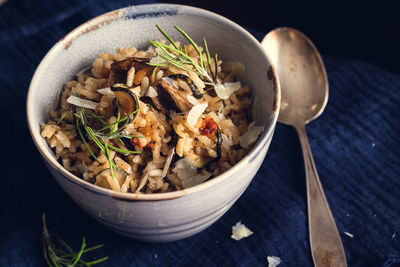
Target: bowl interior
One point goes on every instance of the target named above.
(133, 26)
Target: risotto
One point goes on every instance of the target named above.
(155, 120)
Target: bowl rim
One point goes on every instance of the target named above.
(116, 15)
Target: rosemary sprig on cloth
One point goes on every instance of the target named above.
(63, 254)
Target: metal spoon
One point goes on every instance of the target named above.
(304, 86)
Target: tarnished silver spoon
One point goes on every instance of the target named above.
(304, 86)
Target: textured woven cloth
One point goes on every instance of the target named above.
(356, 146)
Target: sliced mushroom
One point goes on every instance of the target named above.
(127, 100)
(162, 101)
(177, 98)
(196, 92)
(119, 69)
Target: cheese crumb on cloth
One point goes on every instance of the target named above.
(240, 231)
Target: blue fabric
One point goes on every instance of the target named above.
(355, 142)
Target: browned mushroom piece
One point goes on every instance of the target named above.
(170, 97)
(119, 69)
(195, 91)
(161, 101)
(127, 100)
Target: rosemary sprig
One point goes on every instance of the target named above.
(153, 73)
(171, 54)
(102, 136)
(193, 44)
(84, 140)
(167, 36)
(208, 57)
(62, 117)
(64, 256)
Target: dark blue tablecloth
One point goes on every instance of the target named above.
(356, 145)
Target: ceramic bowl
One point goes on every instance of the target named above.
(165, 216)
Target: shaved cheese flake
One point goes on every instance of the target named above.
(225, 90)
(151, 92)
(240, 231)
(251, 135)
(220, 114)
(192, 100)
(76, 101)
(195, 113)
(157, 59)
(187, 172)
(349, 234)
(273, 261)
(171, 154)
(196, 179)
(142, 182)
(105, 91)
(185, 168)
(226, 141)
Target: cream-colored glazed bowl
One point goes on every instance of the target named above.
(165, 216)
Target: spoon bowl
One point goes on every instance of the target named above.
(301, 72)
(304, 95)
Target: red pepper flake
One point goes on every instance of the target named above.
(208, 127)
(135, 141)
(149, 146)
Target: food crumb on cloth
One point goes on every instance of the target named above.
(349, 234)
(240, 231)
(273, 261)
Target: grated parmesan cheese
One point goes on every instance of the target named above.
(195, 112)
(142, 183)
(240, 231)
(184, 168)
(273, 261)
(196, 179)
(349, 234)
(192, 100)
(171, 154)
(105, 91)
(158, 59)
(251, 135)
(225, 90)
(187, 173)
(226, 141)
(80, 102)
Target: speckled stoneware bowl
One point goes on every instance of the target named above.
(165, 216)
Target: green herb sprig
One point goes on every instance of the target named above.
(171, 54)
(63, 255)
(102, 136)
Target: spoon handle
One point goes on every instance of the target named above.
(326, 245)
